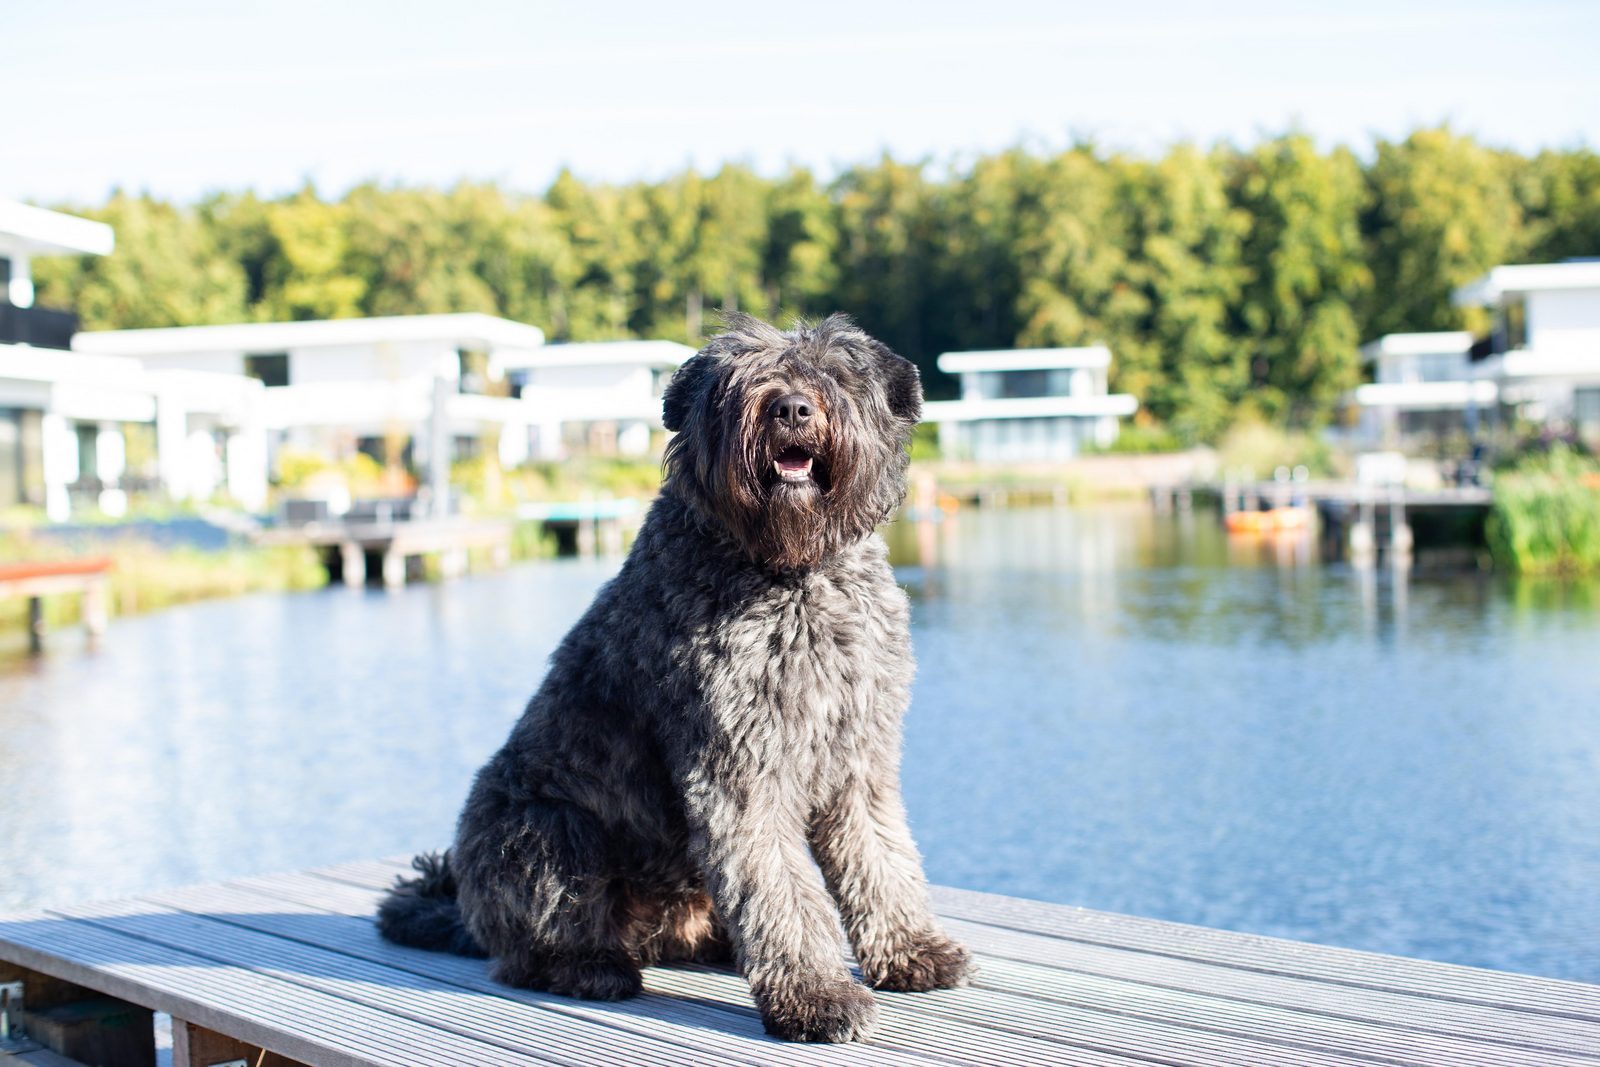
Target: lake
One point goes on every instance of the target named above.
(1113, 709)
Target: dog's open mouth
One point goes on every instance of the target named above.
(793, 465)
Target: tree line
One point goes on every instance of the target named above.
(1228, 282)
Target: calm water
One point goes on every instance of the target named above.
(1112, 709)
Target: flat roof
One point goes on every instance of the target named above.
(1439, 342)
(1030, 407)
(464, 328)
(601, 353)
(39, 231)
(1529, 277)
(1093, 356)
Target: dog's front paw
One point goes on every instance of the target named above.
(818, 1011)
(933, 962)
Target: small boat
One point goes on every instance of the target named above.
(1270, 520)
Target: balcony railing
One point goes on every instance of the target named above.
(40, 327)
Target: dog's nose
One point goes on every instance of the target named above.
(790, 410)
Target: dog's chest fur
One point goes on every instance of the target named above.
(810, 670)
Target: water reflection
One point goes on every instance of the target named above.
(1113, 709)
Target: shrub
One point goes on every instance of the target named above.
(1546, 514)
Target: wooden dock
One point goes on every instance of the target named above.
(37, 579)
(386, 547)
(289, 968)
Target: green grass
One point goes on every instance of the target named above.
(1546, 515)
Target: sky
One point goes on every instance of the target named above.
(181, 99)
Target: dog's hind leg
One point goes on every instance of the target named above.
(680, 928)
(534, 893)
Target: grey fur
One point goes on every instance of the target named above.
(726, 712)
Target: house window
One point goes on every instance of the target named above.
(476, 376)
(269, 368)
(1024, 383)
(1586, 412)
(1513, 325)
(10, 458)
(88, 451)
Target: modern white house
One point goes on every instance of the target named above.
(419, 385)
(1028, 404)
(1540, 362)
(597, 397)
(61, 417)
(1544, 352)
(1424, 385)
(79, 431)
(414, 384)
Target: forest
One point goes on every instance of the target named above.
(1228, 282)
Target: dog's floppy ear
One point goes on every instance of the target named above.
(902, 383)
(679, 396)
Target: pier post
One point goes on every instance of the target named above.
(394, 569)
(1400, 539)
(36, 624)
(96, 598)
(1363, 538)
(353, 564)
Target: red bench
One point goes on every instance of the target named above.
(36, 579)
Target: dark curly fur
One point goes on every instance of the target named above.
(710, 769)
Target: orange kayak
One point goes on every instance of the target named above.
(1292, 518)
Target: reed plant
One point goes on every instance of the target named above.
(1546, 514)
(148, 577)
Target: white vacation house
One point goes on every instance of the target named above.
(598, 397)
(1544, 352)
(1028, 404)
(418, 385)
(1424, 385)
(78, 431)
(1540, 362)
(340, 386)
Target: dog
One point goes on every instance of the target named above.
(710, 769)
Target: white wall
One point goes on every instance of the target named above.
(1562, 321)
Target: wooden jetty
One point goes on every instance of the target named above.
(393, 548)
(289, 968)
(39, 579)
(1355, 520)
(586, 527)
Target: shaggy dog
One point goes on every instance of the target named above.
(727, 712)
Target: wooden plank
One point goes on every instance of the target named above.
(1269, 955)
(284, 1017)
(517, 1025)
(1013, 1024)
(1519, 1030)
(195, 1046)
(39, 568)
(729, 1029)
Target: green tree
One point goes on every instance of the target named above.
(1441, 212)
(1559, 193)
(799, 264)
(1305, 275)
(310, 276)
(166, 271)
(1186, 248)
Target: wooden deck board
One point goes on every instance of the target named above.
(293, 963)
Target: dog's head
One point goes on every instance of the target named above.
(794, 441)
